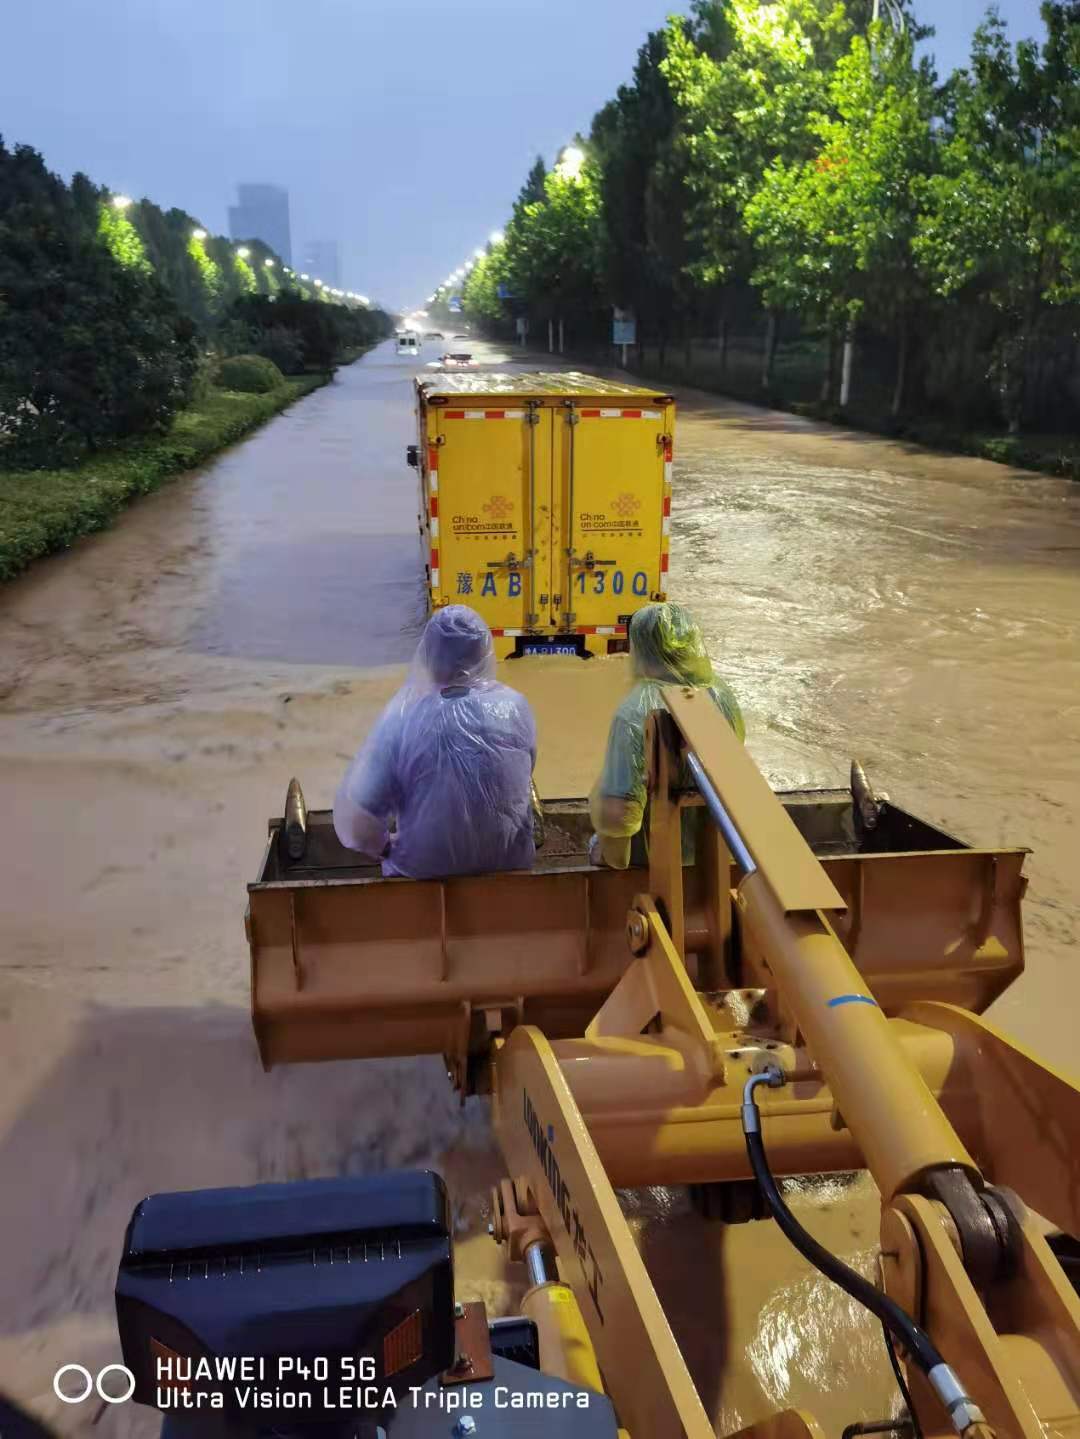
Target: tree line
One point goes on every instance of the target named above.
(110, 311)
(797, 167)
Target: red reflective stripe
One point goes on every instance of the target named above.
(590, 414)
(496, 632)
(620, 629)
(433, 457)
(454, 414)
(631, 414)
(663, 564)
(667, 506)
(494, 414)
(669, 448)
(434, 500)
(586, 629)
(434, 559)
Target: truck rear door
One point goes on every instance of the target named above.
(614, 502)
(494, 507)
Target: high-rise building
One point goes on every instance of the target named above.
(323, 261)
(262, 213)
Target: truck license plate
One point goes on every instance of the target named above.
(539, 647)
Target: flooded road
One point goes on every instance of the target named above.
(161, 683)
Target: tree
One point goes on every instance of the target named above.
(480, 292)
(643, 245)
(999, 220)
(552, 246)
(532, 192)
(288, 324)
(747, 80)
(833, 234)
(92, 350)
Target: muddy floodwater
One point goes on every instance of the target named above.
(160, 683)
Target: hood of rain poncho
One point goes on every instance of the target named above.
(456, 648)
(666, 647)
(666, 644)
(450, 759)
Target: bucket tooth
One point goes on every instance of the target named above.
(294, 830)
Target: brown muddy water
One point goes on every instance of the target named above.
(160, 684)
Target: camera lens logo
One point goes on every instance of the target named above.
(85, 1383)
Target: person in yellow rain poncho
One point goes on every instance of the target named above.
(666, 648)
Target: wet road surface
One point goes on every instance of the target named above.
(160, 683)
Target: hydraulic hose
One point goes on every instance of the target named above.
(962, 1410)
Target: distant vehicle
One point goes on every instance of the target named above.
(459, 337)
(408, 345)
(434, 335)
(454, 361)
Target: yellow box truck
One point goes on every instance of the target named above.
(545, 504)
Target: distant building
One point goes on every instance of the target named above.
(323, 261)
(262, 213)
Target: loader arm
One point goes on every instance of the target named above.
(938, 1106)
(616, 1018)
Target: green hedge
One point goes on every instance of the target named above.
(46, 510)
(250, 374)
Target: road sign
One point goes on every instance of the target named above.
(454, 304)
(623, 327)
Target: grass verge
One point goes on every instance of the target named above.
(42, 511)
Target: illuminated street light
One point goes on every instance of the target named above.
(121, 202)
(305, 277)
(268, 263)
(895, 14)
(570, 162)
(198, 234)
(496, 237)
(243, 252)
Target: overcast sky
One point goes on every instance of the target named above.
(401, 128)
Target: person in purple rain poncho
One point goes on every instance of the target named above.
(450, 759)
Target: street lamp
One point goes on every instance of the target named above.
(895, 14)
(198, 234)
(243, 252)
(570, 162)
(121, 202)
(268, 263)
